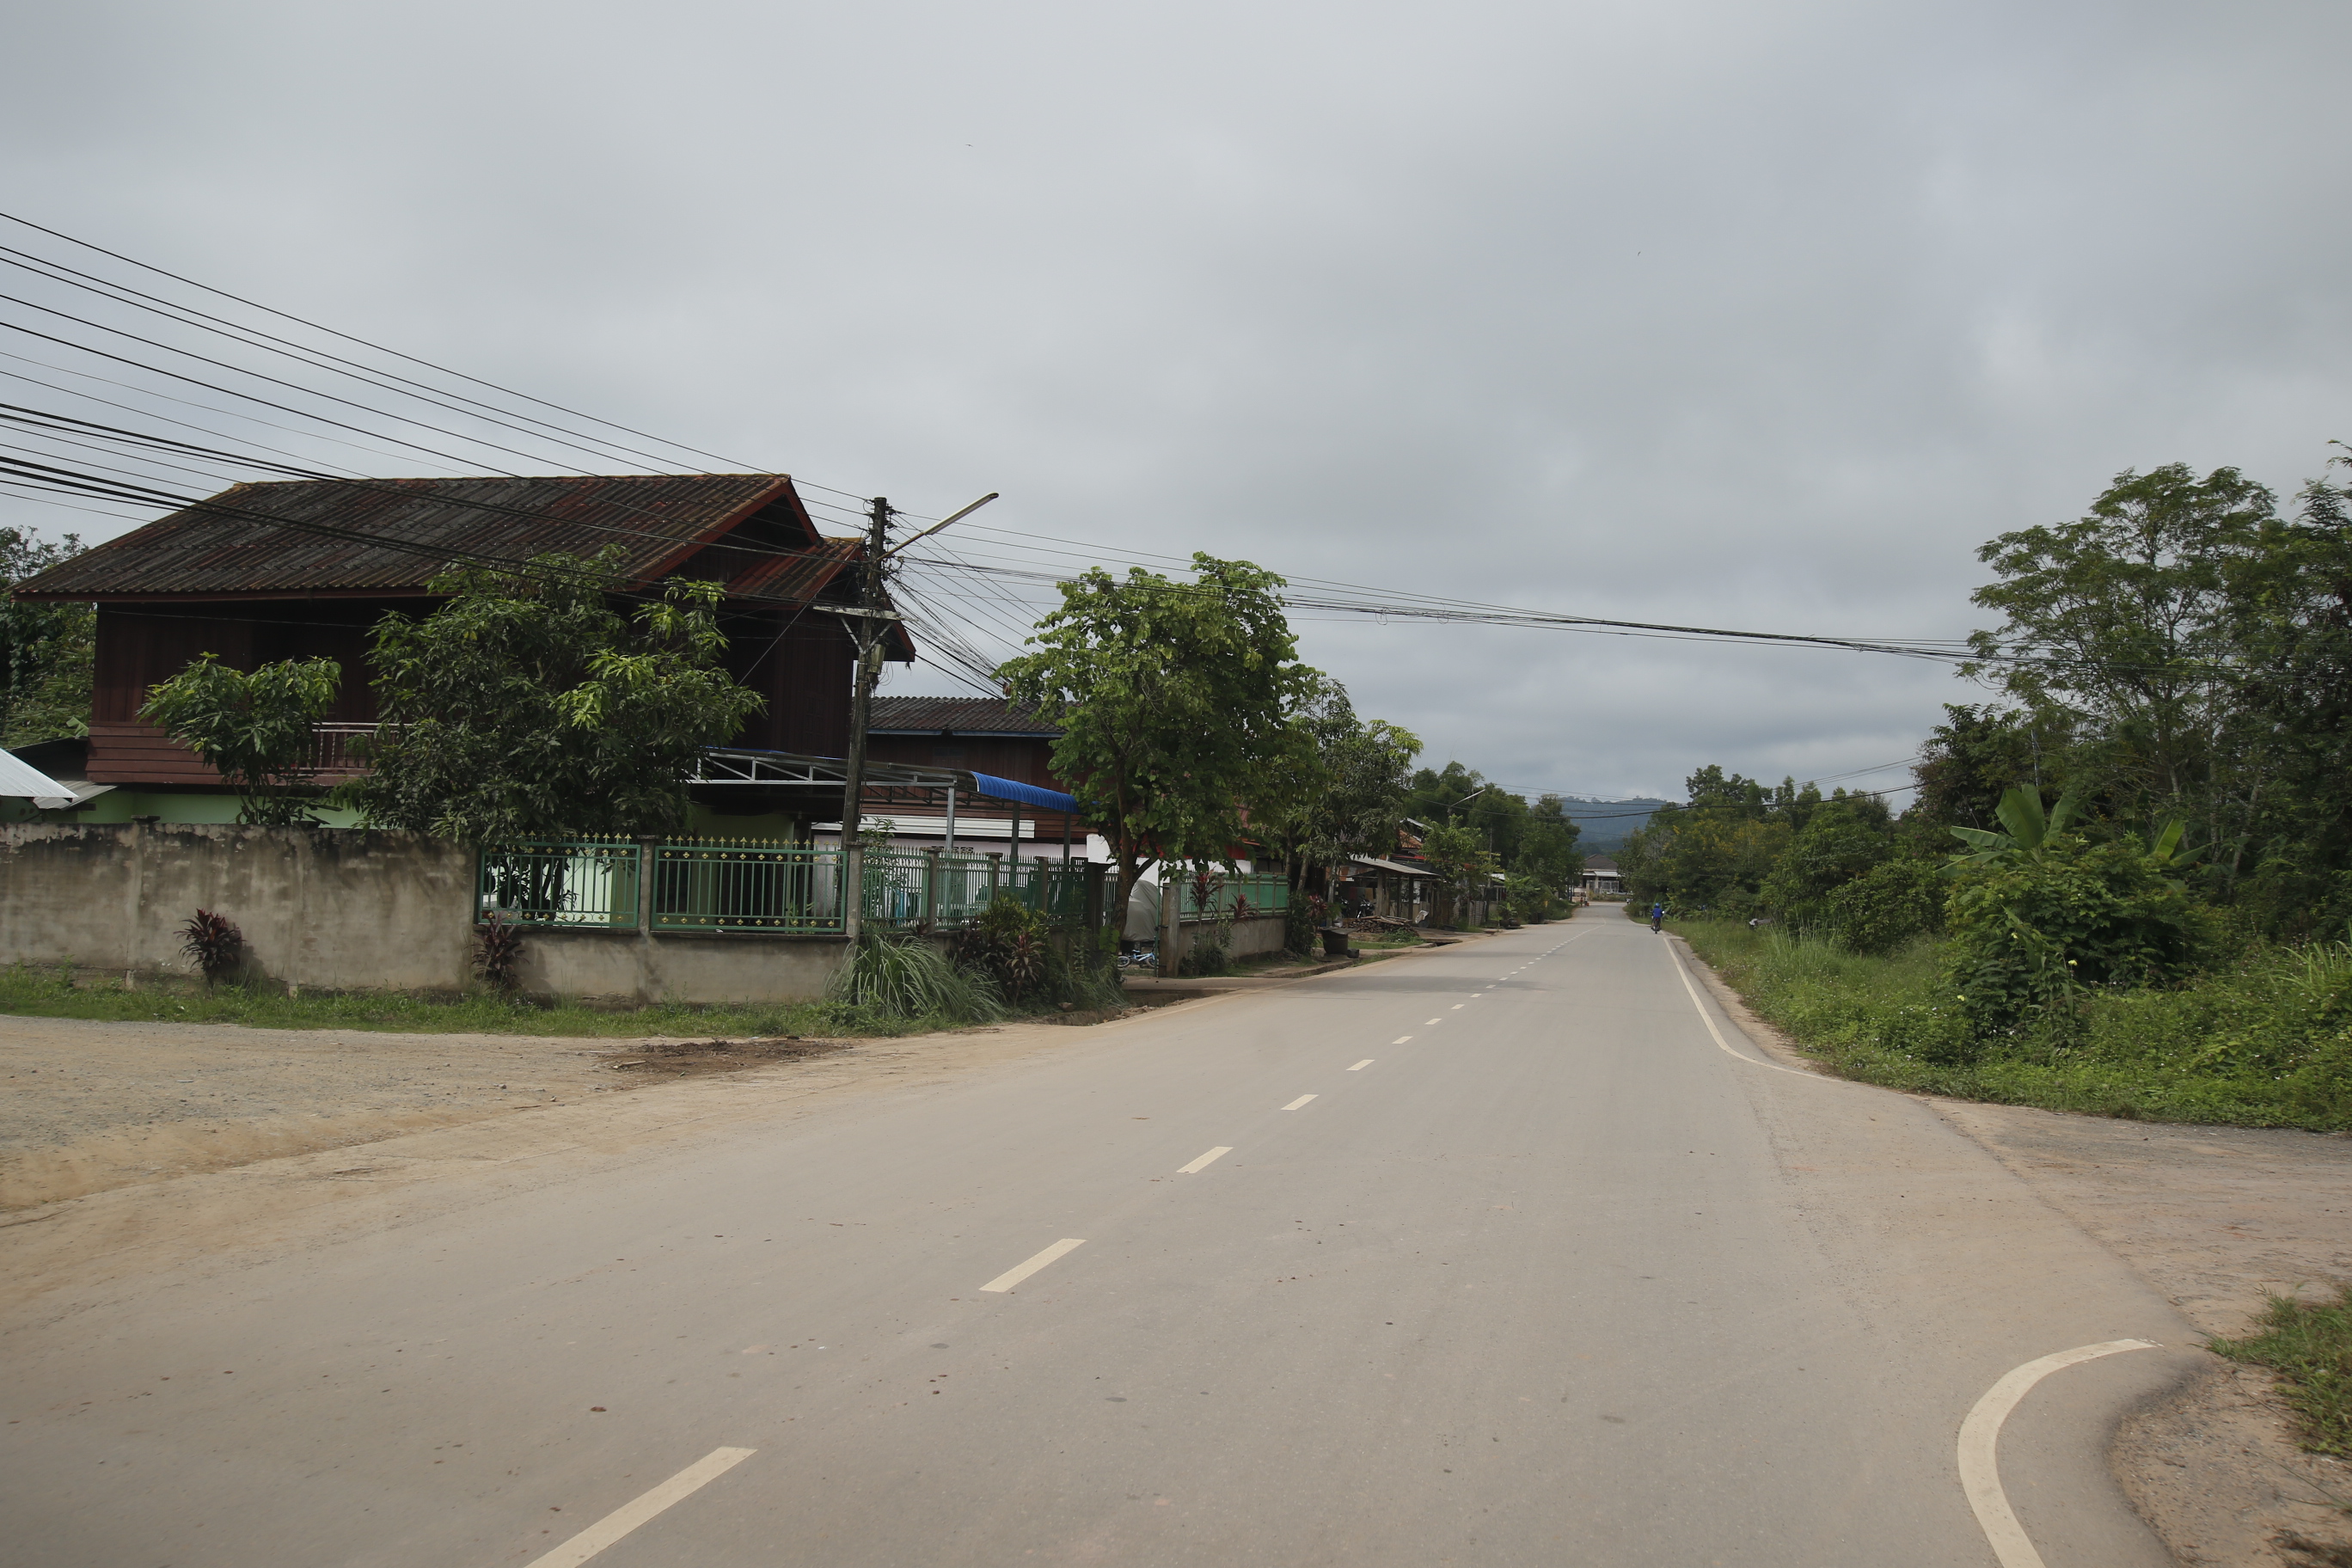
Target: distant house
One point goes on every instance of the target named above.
(1602, 876)
(987, 737)
(305, 568)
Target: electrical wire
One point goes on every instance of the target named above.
(347, 337)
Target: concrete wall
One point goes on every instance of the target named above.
(626, 966)
(341, 909)
(1264, 933)
(330, 907)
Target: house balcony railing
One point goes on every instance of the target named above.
(330, 748)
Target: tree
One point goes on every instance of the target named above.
(1971, 759)
(46, 651)
(1351, 799)
(2123, 621)
(1840, 841)
(1176, 701)
(1462, 867)
(529, 707)
(1547, 852)
(256, 729)
(2293, 621)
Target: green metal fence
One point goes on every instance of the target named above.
(746, 885)
(1242, 895)
(763, 885)
(563, 882)
(943, 892)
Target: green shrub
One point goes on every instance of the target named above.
(1299, 921)
(1888, 907)
(2032, 931)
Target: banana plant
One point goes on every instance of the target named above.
(2028, 829)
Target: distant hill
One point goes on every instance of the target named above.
(1603, 824)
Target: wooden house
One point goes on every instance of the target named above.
(306, 568)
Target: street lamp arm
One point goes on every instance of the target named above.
(957, 516)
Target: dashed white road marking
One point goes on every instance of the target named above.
(1361, 1065)
(1400, 1039)
(1020, 1271)
(630, 1515)
(1981, 1438)
(1300, 1101)
(1455, 1008)
(1206, 1159)
(1432, 1021)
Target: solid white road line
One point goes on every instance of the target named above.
(1205, 1160)
(1400, 1039)
(1361, 1065)
(630, 1515)
(1981, 1439)
(1717, 1035)
(1300, 1101)
(1020, 1271)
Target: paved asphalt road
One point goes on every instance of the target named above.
(1510, 1261)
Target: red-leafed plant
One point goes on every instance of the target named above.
(215, 943)
(497, 952)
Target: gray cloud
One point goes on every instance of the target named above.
(1704, 313)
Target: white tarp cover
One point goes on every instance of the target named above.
(20, 778)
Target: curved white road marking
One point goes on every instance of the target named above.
(1717, 1035)
(630, 1515)
(1981, 1439)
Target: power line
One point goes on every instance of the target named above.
(412, 359)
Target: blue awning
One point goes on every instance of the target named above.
(1026, 793)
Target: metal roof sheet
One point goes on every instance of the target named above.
(958, 715)
(393, 535)
(21, 780)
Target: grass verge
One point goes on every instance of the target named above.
(2266, 1044)
(47, 995)
(2309, 1345)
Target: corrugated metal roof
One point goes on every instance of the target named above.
(796, 579)
(391, 535)
(959, 715)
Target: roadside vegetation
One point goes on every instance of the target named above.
(2309, 1345)
(2124, 890)
(52, 993)
(2263, 1041)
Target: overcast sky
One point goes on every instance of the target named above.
(1725, 314)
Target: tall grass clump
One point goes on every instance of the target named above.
(908, 978)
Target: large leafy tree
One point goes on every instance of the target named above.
(1351, 790)
(45, 650)
(529, 706)
(2121, 624)
(256, 729)
(1547, 853)
(1176, 703)
(2294, 620)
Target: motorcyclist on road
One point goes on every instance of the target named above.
(1657, 917)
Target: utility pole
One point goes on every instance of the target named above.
(867, 631)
